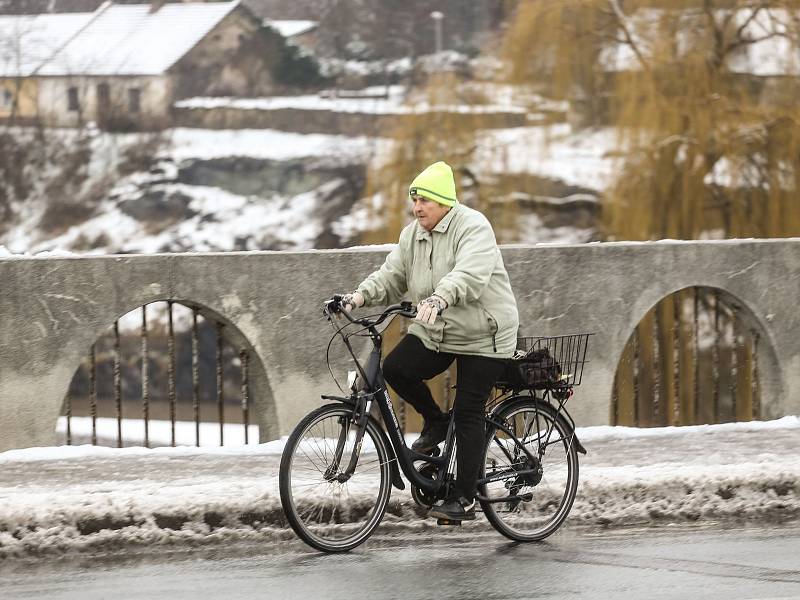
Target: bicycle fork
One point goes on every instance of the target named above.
(360, 418)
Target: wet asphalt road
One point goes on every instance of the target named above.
(676, 562)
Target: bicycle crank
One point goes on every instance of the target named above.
(422, 498)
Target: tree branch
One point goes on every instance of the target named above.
(750, 19)
(741, 39)
(749, 41)
(623, 23)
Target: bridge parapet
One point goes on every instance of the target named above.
(53, 309)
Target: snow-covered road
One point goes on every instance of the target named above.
(68, 498)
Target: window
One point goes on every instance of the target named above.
(73, 104)
(7, 99)
(103, 95)
(134, 100)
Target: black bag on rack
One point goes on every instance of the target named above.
(536, 370)
(539, 369)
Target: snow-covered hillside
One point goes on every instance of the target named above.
(219, 190)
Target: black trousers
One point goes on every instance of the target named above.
(410, 364)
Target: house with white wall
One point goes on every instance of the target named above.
(123, 65)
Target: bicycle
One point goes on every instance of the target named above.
(339, 465)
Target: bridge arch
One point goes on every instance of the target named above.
(697, 354)
(177, 346)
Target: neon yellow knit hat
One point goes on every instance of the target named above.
(435, 183)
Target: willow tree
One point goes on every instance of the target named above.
(702, 94)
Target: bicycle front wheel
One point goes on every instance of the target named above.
(529, 494)
(329, 511)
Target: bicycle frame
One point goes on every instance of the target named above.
(375, 390)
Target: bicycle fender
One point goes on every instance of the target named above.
(397, 479)
(568, 423)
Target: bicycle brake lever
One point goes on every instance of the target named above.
(408, 309)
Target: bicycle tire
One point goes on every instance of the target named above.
(318, 520)
(538, 506)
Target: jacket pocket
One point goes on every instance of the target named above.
(470, 323)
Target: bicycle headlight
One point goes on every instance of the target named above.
(352, 380)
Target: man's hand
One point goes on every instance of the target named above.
(352, 301)
(429, 308)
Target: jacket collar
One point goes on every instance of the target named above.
(441, 226)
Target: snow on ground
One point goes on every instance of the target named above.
(531, 229)
(393, 104)
(159, 432)
(383, 100)
(584, 158)
(55, 500)
(205, 144)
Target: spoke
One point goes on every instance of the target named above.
(315, 484)
(318, 451)
(311, 460)
(308, 443)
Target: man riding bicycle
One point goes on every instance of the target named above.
(448, 262)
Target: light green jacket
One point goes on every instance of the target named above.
(460, 261)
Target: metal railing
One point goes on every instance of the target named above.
(224, 374)
(692, 359)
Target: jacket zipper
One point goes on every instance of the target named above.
(430, 262)
(496, 328)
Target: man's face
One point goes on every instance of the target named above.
(428, 212)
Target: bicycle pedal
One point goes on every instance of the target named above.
(434, 452)
(447, 522)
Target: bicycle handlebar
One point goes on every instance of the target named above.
(333, 306)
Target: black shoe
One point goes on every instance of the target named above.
(433, 433)
(454, 509)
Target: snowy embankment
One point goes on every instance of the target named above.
(55, 500)
(221, 190)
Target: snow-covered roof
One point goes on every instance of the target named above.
(117, 39)
(28, 41)
(289, 28)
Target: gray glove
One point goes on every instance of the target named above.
(352, 301)
(428, 309)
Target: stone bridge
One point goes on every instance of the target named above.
(53, 309)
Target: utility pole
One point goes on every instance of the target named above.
(437, 17)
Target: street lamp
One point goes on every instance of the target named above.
(437, 23)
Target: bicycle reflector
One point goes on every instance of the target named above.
(352, 377)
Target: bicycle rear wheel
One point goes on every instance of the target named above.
(529, 494)
(329, 514)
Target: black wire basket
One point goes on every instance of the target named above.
(553, 362)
